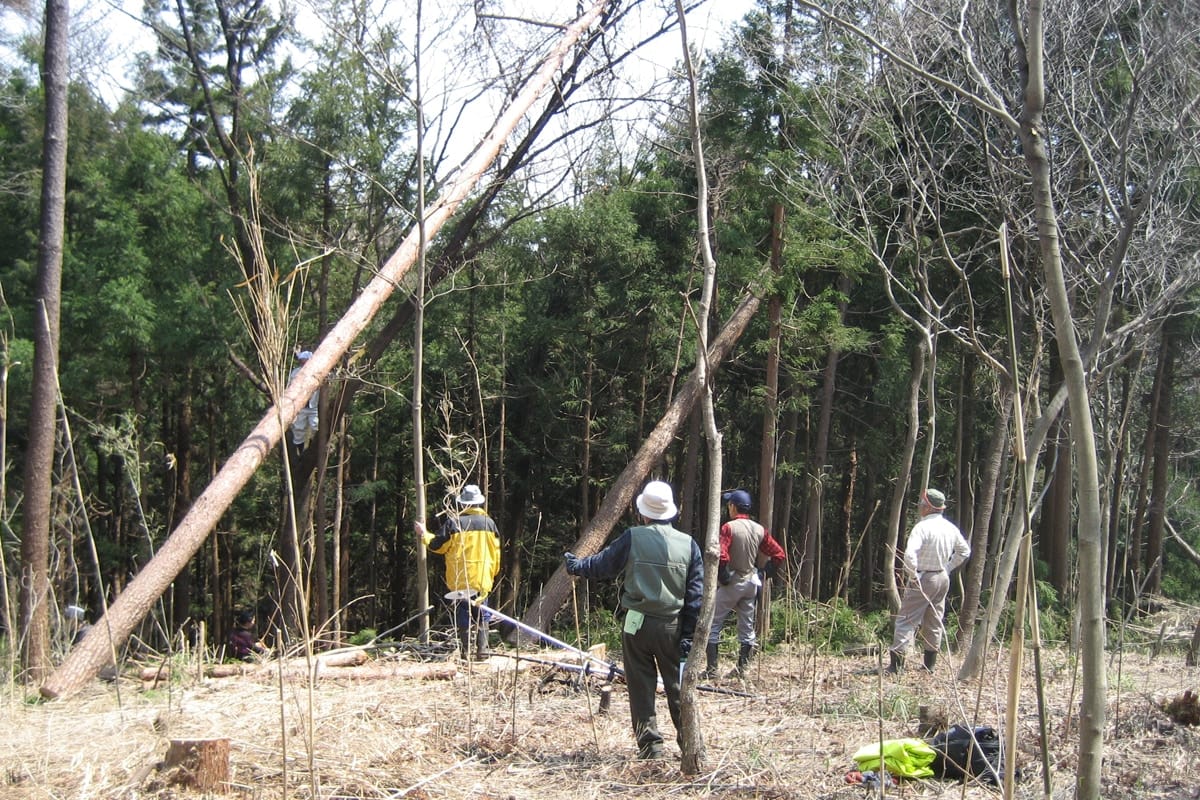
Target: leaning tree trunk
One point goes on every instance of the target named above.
(558, 588)
(1006, 562)
(132, 605)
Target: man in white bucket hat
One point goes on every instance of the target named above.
(663, 572)
(470, 542)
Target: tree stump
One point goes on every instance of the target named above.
(931, 721)
(201, 764)
(605, 698)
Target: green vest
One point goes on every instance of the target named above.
(657, 570)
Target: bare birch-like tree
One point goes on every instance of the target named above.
(1086, 220)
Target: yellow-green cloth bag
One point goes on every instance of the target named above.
(903, 758)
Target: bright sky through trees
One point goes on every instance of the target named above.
(107, 34)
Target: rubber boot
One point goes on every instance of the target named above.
(481, 644)
(464, 644)
(930, 659)
(743, 661)
(711, 658)
(896, 663)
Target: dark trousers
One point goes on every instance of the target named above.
(469, 617)
(650, 654)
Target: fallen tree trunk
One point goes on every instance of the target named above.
(132, 605)
(298, 669)
(556, 591)
(342, 658)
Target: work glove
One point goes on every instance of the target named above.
(724, 573)
(572, 562)
(771, 568)
(685, 649)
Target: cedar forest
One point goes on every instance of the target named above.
(871, 209)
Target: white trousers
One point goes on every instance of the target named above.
(922, 605)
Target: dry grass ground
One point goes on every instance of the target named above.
(397, 728)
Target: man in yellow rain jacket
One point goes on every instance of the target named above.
(470, 543)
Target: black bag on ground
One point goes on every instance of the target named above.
(962, 752)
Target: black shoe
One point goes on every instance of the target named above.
(930, 659)
(710, 662)
(743, 662)
(650, 751)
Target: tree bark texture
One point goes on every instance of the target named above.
(35, 597)
(692, 738)
(199, 764)
(770, 436)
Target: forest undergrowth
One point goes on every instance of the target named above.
(416, 724)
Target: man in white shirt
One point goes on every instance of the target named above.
(935, 548)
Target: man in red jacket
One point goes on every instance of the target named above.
(746, 547)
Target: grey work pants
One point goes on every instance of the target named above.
(923, 604)
(739, 595)
(650, 653)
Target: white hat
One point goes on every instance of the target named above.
(74, 613)
(471, 496)
(657, 501)
(304, 355)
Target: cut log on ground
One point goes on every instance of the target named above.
(340, 658)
